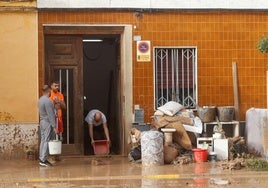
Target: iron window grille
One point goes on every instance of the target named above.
(175, 74)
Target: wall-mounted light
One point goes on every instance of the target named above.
(138, 16)
(92, 40)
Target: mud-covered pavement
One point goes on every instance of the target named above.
(116, 171)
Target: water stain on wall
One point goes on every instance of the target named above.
(16, 139)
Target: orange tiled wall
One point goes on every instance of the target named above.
(220, 37)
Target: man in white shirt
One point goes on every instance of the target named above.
(97, 124)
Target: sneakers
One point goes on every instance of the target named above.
(45, 164)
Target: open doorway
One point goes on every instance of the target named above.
(101, 83)
(64, 54)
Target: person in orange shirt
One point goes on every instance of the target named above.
(58, 100)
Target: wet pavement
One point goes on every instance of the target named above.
(117, 171)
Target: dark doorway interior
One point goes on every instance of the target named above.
(100, 82)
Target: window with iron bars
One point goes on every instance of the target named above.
(175, 74)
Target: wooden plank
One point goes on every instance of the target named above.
(267, 90)
(236, 92)
(264, 125)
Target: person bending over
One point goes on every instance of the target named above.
(97, 124)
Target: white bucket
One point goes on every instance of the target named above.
(54, 147)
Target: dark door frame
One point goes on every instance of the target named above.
(60, 48)
(125, 98)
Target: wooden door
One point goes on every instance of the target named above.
(63, 63)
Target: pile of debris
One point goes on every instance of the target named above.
(185, 137)
(238, 148)
(171, 116)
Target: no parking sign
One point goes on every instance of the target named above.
(143, 51)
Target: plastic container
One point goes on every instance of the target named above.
(206, 113)
(101, 147)
(212, 157)
(225, 113)
(54, 147)
(200, 155)
(152, 150)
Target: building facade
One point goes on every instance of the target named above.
(112, 76)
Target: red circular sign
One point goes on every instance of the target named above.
(143, 47)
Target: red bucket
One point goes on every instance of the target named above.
(101, 147)
(200, 155)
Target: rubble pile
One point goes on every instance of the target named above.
(182, 131)
(235, 164)
(238, 148)
(170, 116)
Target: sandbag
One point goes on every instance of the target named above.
(161, 121)
(170, 154)
(183, 120)
(193, 138)
(171, 108)
(180, 136)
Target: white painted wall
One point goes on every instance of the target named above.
(156, 4)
